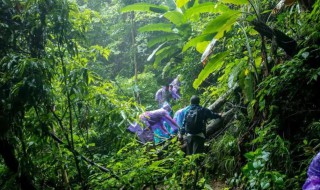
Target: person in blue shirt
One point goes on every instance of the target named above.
(195, 140)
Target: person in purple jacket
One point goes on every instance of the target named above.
(174, 93)
(174, 88)
(313, 180)
(163, 95)
(160, 123)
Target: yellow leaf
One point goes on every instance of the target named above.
(258, 61)
(201, 47)
(181, 3)
(253, 32)
(246, 72)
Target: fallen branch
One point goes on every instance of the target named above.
(218, 124)
(288, 44)
(222, 99)
(83, 157)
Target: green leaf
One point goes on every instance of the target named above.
(181, 3)
(249, 87)
(205, 8)
(155, 51)
(165, 52)
(193, 42)
(264, 184)
(174, 16)
(145, 7)
(249, 155)
(222, 23)
(163, 38)
(235, 2)
(215, 63)
(156, 27)
(201, 47)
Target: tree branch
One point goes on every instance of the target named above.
(83, 157)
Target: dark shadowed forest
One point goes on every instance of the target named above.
(75, 74)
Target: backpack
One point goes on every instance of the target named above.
(194, 120)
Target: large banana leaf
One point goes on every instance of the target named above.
(156, 27)
(175, 17)
(145, 7)
(227, 26)
(181, 3)
(235, 2)
(214, 64)
(221, 22)
(204, 8)
(165, 52)
(193, 42)
(155, 51)
(163, 38)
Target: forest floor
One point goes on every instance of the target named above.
(218, 185)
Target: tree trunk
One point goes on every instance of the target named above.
(134, 55)
(7, 153)
(216, 125)
(222, 99)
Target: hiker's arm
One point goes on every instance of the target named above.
(169, 119)
(157, 96)
(212, 115)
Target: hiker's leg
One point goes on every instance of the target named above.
(198, 145)
(189, 145)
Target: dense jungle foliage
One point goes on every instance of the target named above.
(75, 73)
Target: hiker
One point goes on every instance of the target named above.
(173, 92)
(313, 180)
(163, 95)
(179, 116)
(176, 86)
(144, 134)
(194, 125)
(160, 123)
(176, 83)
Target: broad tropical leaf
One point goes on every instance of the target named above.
(163, 38)
(235, 2)
(221, 22)
(205, 8)
(155, 51)
(201, 46)
(208, 51)
(214, 64)
(174, 16)
(193, 42)
(227, 26)
(145, 7)
(181, 3)
(165, 52)
(156, 27)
